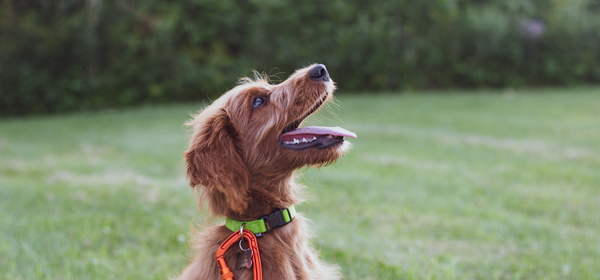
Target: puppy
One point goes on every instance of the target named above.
(242, 155)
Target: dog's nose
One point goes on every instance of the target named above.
(319, 73)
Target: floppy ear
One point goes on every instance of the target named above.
(214, 161)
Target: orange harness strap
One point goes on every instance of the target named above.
(226, 273)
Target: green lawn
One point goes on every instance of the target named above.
(443, 185)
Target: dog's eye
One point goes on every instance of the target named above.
(259, 101)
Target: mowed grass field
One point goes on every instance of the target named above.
(442, 185)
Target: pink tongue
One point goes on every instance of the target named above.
(311, 131)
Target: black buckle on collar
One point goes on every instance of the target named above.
(276, 219)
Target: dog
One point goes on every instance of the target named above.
(242, 156)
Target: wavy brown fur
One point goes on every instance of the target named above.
(235, 159)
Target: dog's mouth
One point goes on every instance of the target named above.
(319, 137)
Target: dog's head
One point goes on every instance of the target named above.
(250, 137)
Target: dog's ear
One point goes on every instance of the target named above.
(214, 161)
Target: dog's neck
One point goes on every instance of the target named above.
(281, 192)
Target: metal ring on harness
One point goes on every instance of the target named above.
(226, 273)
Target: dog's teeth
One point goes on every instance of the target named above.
(297, 141)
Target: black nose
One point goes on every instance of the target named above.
(319, 73)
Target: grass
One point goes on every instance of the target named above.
(445, 185)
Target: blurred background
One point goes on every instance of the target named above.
(64, 55)
(478, 123)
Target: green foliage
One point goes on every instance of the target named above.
(67, 55)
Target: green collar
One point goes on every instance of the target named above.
(276, 219)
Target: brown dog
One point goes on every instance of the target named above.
(243, 154)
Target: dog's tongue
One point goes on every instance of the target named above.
(310, 132)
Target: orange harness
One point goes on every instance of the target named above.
(226, 273)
